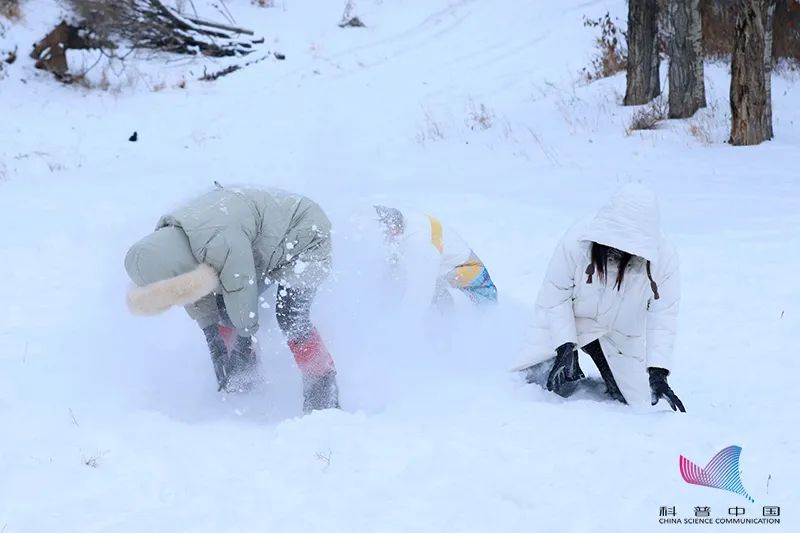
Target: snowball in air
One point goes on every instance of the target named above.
(300, 267)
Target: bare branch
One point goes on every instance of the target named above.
(150, 24)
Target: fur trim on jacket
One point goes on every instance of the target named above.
(185, 289)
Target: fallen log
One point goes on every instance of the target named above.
(150, 24)
(219, 25)
(50, 53)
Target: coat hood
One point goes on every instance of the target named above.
(629, 221)
(166, 273)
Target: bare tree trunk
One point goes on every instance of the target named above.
(751, 68)
(642, 80)
(687, 91)
(768, 27)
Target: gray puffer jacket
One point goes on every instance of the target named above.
(231, 242)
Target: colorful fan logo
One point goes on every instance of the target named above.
(721, 472)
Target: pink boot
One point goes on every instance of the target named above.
(228, 335)
(320, 390)
(241, 366)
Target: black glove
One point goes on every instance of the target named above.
(660, 389)
(219, 354)
(565, 367)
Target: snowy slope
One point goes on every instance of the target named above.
(435, 434)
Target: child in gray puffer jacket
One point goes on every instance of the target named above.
(215, 257)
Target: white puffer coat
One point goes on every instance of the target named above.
(636, 321)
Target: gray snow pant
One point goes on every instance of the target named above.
(292, 311)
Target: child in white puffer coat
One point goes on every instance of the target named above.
(612, 289)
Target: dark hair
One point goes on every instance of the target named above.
(600, 255)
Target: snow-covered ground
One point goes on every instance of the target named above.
(469, 109)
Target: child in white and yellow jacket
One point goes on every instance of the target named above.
(439, 266)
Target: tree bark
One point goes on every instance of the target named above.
(751, 68)
(687, 91)
(642, 78)
(768, 29)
